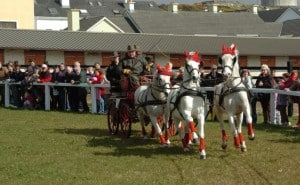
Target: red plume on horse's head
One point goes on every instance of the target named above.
(167, 70)
(193, 55)
(229, 50)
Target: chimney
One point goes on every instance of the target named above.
(129, 5)
(65, 3)
(214, 8)
(173, 7)
(73, 20)
(255, 9)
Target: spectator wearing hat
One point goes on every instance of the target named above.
(44, 76)
(265, 80)
(150, 67)
(210, 80)
(113, 72)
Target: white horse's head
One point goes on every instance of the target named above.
(162, 77)
(229, 61)
(191, 68)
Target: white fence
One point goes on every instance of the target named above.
(93, 88)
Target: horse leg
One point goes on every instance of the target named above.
(142, 121)
(239, 120)
(193, 131)
(158, 130)
(224, 136)
(234, 131)
(184, 135)
(164, 123)
(251, 135)
(201, 121)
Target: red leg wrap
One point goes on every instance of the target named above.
(224, 136)
(190, 136)
(202, 144)
(162, 139)
(250, 129)
(192, 126)
(236, 141)
(241, 137)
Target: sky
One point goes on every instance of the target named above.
(195, 1)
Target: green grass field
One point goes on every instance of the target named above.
(38, 147)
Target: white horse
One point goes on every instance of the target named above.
(186, 103)
(150, 101)
(231, 98)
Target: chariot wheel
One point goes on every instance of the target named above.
(125, 120)
(112, 118)
(172, 128)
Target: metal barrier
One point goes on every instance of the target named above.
(48, 85)
(94, 86)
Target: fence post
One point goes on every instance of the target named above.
(272, 108)
(6, 101)
(47, 96)
(93, 99)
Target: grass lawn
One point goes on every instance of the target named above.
(39, 147)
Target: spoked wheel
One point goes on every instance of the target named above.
(172, 128)
(113, 118)
(125, 120)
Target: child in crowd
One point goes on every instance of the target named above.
(282, 99)
(28, 100)
(97, 79)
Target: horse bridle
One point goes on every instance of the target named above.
(227, 66)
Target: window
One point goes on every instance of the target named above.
(7, 24)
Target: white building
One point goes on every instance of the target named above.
(280, 2)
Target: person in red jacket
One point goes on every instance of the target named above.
(98, 78)
(44, 76)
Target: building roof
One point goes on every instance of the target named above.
(273, 15)
(207, 23)
(119, 21)
(152, 43)
(291, 27)
(94, 9)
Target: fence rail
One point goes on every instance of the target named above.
(93, 88)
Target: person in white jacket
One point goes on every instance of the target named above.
(247, 80)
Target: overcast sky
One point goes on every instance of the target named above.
(195, 1)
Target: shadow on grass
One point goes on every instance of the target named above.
(291, 134)
(118, 146)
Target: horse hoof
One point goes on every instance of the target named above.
(224, 146)
(202, 156)
(165, 145)
(186, 149)
(168, 142)
(251, 137)
(196, 141)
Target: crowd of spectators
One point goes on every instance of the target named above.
(133, 64)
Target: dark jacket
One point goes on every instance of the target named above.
(113, 74)
(136, 66)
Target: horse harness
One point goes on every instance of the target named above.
(180, 95)
(147, 102)
(228, 90)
